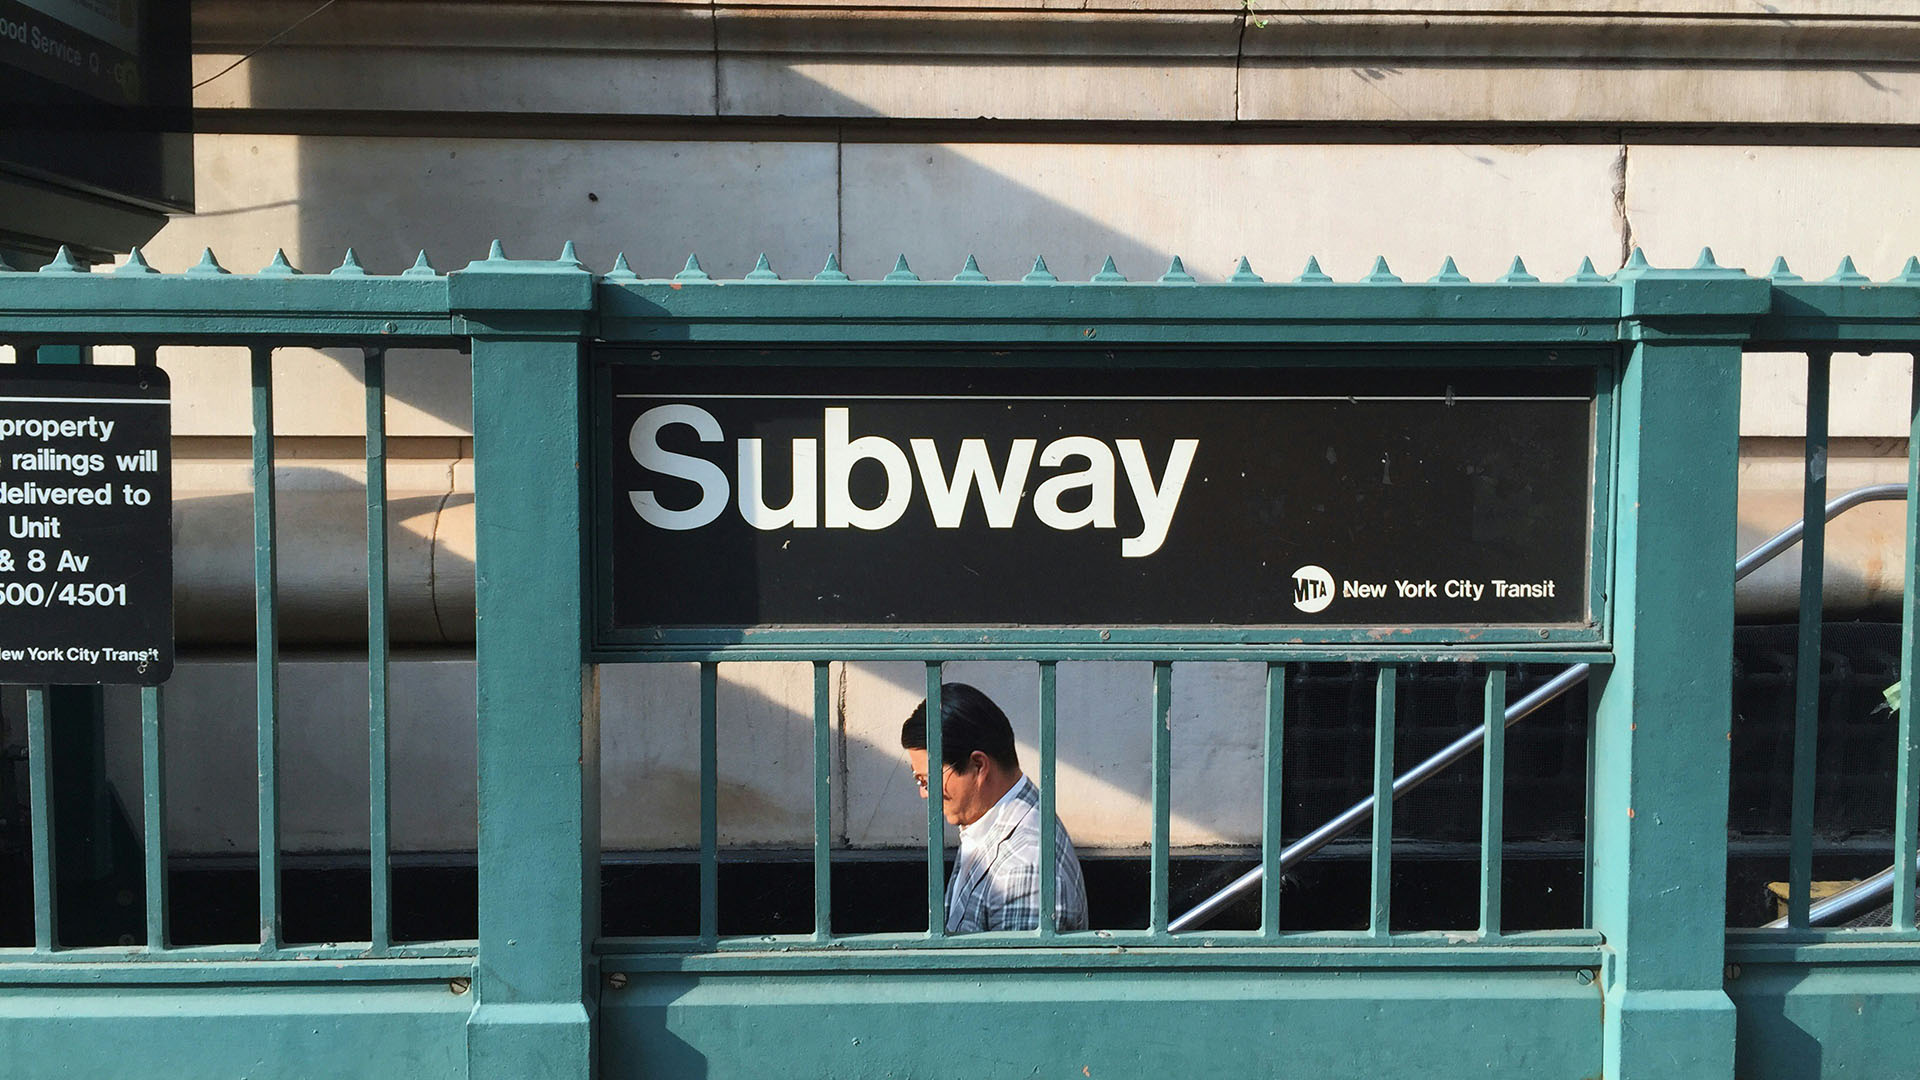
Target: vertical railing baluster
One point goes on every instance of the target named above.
(1272, 809)
(936, 816)
(266, 649)
(1493, 801)
(709, 802)
(822, 803)
(153, 815)
(1160, 872)
(1380, 918)
(1906, 830)
(40, 811)
(1806, 673)
(1587, 843)
(153, 776)
(379, 806)
(1049, 807)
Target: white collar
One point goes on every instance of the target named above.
(986, 822)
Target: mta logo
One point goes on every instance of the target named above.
(1312, 589)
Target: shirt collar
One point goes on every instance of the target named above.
(997, 812)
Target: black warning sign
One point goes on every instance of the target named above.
(86, 556)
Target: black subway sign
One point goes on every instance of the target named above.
(752, 488)
(86, 558)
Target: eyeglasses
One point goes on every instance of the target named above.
(921, 778)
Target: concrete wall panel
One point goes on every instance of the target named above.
(1812, 205)
(211, 776)
(649, 756)
(882, 804)
(389, 198)
(1212, 204)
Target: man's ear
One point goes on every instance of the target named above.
(977, 761)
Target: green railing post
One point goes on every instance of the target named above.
(538, 844)
(1661, 748)
(90, 866)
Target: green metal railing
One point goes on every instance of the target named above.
(345, 308)
(1846, 312)
(48, 945)
(1162, 929)
(1669, 343)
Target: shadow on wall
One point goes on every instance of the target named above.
(321, 566)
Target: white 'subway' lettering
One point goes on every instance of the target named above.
(822, 473)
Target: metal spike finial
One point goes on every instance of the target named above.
(1911, 271)
(568, 256)
(692, 271)
(1587, 272)
(1039, 274)
(1109, 273)
(1847, 271)
(1176, 273)
(497, 253)
(901, 271)
(621, 271)
(349, 266)
(1381, 274)
(1637, 260)
(1705, 261)
(136, 263)
(832, 271)
(278, 266)
(762, 270)
(63, 262)
(207, 266)
(971, 271)
(1517, 273)
(421, 267)
(1449, 274)
(1781, 272)
(1244, 275)
(1313, 275)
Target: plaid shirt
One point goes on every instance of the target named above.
(996, 880)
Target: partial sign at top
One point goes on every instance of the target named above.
(749, 489)
(86, 559)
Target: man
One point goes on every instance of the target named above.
(996, 880)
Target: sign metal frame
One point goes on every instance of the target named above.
(609, 642)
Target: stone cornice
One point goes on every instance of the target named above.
(1362, 61)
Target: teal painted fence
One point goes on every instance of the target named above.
(1652, 985)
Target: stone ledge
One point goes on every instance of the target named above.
(1350, 61)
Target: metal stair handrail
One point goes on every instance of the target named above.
(1573, 676)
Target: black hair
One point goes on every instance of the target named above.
(969, 721)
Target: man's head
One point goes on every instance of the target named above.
(976, 749)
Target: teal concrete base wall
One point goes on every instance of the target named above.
(1808, 1023)
(349, 1032)
(1107, 1025)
